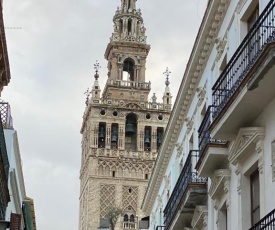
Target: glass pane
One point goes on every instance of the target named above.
(256, 216)
(255, 184)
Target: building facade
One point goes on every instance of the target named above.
(4, 162)
(122, 130)
(17, 215)
(215, 168)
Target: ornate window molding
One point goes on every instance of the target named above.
(247, 139)
(179, 148)
(189, 124)
(200, 217)
(201, 92)
(219, 183)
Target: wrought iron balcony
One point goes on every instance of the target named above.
(235, 75)
(187, 179)
(6, 117)
(204, 132)
(4, 174)
(206, 140)
(266, 223)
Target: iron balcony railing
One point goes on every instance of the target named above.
(3, 150)
(188, 176)
(6, 117)
(266, 223)
(4, 174)
(204, 132)
(261, 34)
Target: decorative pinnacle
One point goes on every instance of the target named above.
(96, 67)
(87, 93)
(167, 74)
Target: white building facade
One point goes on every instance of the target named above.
(17, 215)
(216, 166)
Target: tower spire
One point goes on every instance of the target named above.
(96, 89)
(167, 97)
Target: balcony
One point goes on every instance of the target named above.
(246, 86)
(4, 174)
(213, 152)
(129, 84)
(189, 191)
(268, 222)
(130, 225)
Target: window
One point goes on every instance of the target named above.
(223, 218)
(255, 40)
(146, 176)
(255, 197)
(252, 18)
(101, 134)
(114, 173)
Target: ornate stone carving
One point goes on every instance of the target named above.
(200, 217)
(167, 182)
(220, 183)
(240, 5)
(130, 198)
(239, 176)
(179, 148)
(201, 92)
(107, 197)
(220, 46)
(189, 124)
(246, 139)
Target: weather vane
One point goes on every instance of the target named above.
(87, 93)
(167, 74)
(96, 67)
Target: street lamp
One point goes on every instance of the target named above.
(4, 224)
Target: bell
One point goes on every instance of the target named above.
(147, 140)
(129, 129)
(114, 138)
(114, 134)
(147, 137)
(101, 132)
(159, 138)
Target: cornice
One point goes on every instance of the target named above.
(210, 25)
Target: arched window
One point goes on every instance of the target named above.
(129, 26)
(125, 218)
(129, 4)
(131, 132)
(132, 218)
(120, 26)
(128, 70)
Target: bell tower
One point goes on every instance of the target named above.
(122, 129)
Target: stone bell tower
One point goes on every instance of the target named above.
(122, 130)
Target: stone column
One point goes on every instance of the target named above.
(121, 136)
(140, 138)
(120, 72)
(154, 139)
(108, 135)
(94, 136)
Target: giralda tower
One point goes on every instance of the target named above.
(122, 130)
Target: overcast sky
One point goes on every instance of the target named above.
(52, 47)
